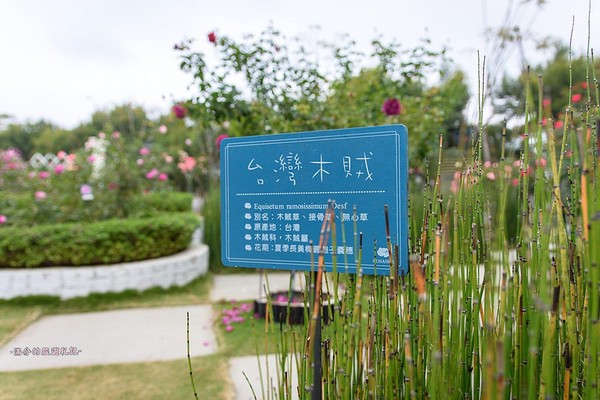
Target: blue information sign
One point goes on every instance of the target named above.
(275, 190)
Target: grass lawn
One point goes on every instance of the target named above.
(159, 380)
(253, 335)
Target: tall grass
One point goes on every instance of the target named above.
(483, 313)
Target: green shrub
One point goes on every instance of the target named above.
(211, 211)
(105, 242)
(151, 203)
(23, 210)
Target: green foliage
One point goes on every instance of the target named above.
(566, 84)
(99, 182)
(154, 202)
(290, 92)
(55, 140)
(42, 137)
(131, 121)
(23, 136)
(211, 211)
(24, 210)
(105, 242)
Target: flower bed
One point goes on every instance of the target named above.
(67, 282)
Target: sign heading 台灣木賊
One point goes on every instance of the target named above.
(275, 191)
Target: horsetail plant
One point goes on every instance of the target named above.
(482, 313)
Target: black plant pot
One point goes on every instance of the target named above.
(284, 301)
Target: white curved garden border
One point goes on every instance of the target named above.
(68, 282)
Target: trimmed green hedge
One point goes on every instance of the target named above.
(105, 242)
(22, 210)
(162, 202)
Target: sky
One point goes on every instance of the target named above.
(62, 60)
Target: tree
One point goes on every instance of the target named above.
(23, 136)
(128, 119)
(564, 82)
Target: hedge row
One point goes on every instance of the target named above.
(105, 242)
(162, 202)
(20, 208)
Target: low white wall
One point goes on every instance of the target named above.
(68, 282)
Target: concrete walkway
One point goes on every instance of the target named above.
(141, 335)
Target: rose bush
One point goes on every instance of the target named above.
(101, 181)
(260, 85)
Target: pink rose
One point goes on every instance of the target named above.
(152, 174)
(44, 174)
(40, 195)
(85, 189)
(86, 192)
(139, 162)
(541, 162)
(144, 151)
(187, 164)
(59, 169)
(61, 155)
(3, 219)
(576, 98)
(91, 159)
(116, 135)
(163, 177)
(163, 129)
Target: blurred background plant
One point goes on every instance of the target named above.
(263, 85)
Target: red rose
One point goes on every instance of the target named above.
(179, 110)
(212, 38)
(391, 107)
(219, 139)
